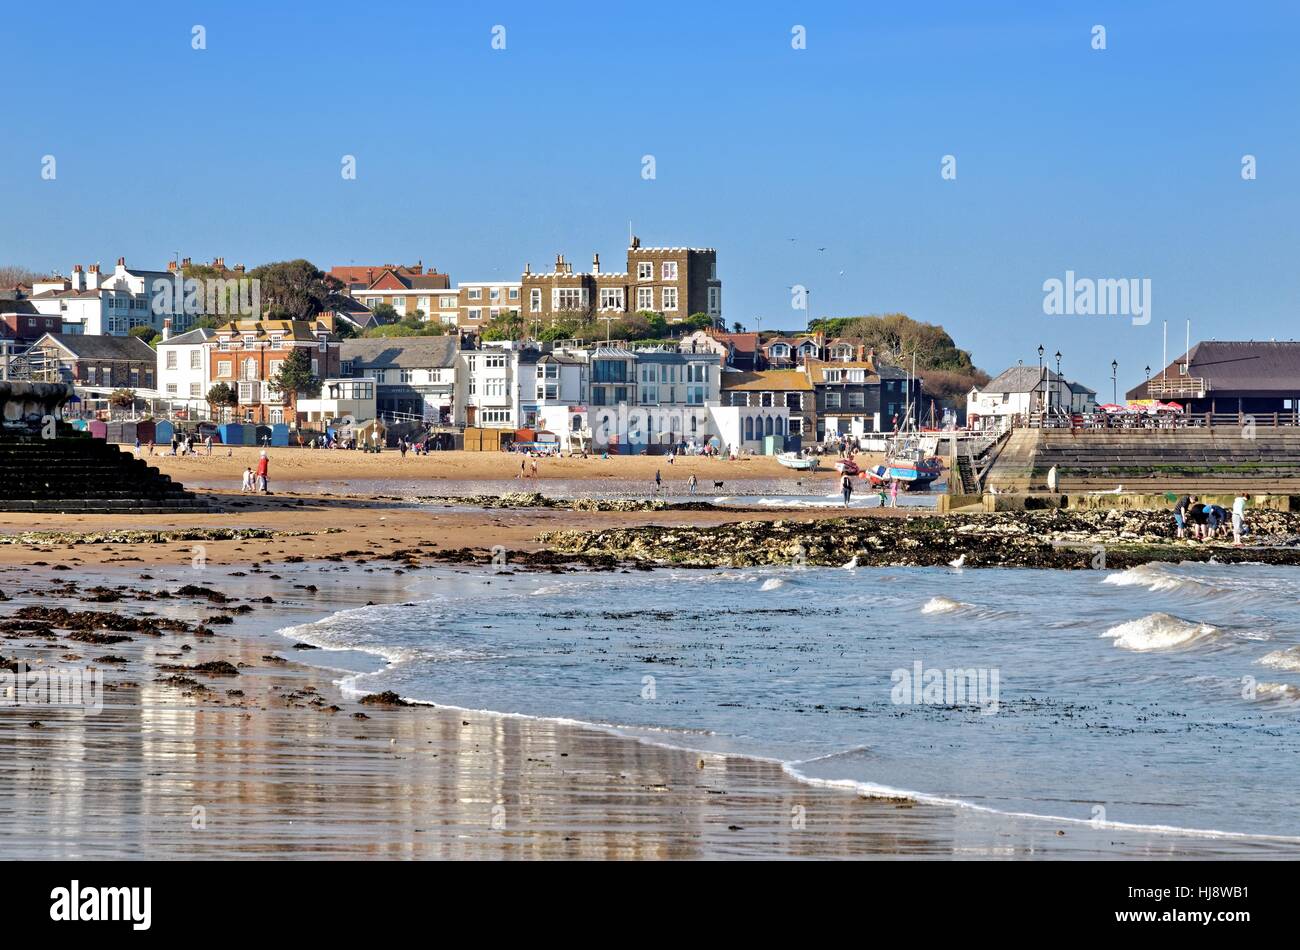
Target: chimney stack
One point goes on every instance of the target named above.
(167, 328)
(92, 277)
(171, 267)
(219, 263)
(185, 262)
(121, 262)
(78, 278)
(595, 263)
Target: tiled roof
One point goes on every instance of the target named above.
(88, 346)
(773, 380)
(424, 352)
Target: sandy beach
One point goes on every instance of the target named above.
(272, 761)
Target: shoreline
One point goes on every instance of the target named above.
(290, 759)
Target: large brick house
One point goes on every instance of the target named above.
(674, 281)
(247, 354)
(100, 364)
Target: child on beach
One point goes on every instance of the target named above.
(846, 487)
(691, 483)
(248, 480)
(1238, 518)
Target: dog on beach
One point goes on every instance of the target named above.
(717, 484)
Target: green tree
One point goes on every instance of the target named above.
(404, 329)
(699, 321)
(385, 313)
(295, 378)
(222, 395)
(146, 333)
(295, 290)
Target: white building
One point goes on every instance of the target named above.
(1018, 391)
(744, 428)
(487, 386)
(95, 304)
(183, 368)
(345, 401)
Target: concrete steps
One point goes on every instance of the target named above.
(1151, 461)
(76, 473)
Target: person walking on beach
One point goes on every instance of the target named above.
(263, 468)
(1180, 515)
(659, 482)
(846, 487)
(1238, 518)
(893, 494)
(248, 480)
(691, 483)
(523, 468)
(533, 464)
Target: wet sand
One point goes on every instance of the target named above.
(287, 770)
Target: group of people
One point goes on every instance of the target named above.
(181, 445)
(888, 497)
(257, 480)
(1205, 521)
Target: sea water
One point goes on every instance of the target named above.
(1164, 695)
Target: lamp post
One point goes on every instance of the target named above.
(1058, 370)
(1040, 376)
(1114, 388)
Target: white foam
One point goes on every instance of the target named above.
(773, 583)
(943, 605)
(1288, 659)
(1159, 631)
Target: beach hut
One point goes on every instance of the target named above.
(209, 429)
(261, 435)
(98, 429)
(163, 432)
(146, 431)
(232, 433)
(280, 434)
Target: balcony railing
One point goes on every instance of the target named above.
(1187, 387)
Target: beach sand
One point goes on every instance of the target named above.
(289, 770)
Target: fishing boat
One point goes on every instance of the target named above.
(913, 471)
(797, 462)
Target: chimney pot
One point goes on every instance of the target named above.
(121, 262)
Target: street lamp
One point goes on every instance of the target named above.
(1058, 370)
(1040, 376)
(1114, 390)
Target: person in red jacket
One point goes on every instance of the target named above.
(263, 464)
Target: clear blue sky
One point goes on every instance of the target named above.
(1117, 163)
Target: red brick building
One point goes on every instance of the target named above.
(247, 354)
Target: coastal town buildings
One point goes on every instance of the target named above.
(1018, 391)
(778, 388)
(94, 303)
(183, 368)
(247, 355)
(97, 365)
(1246, 377)
(413, 376)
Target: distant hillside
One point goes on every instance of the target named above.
(948, 371)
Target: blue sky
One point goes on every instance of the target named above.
(1118, 163)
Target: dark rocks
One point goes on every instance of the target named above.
(388, 698)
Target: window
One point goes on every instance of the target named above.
(568, 298)
(649, 395)
(645, 298)
(223, 368)
(407, 375)
(249, 392)
(514, 293)
(475, 313)
(535, 300)
(494, 294)
(670, 298)
(196, 359)
(249, 370)
(645, 270)
(715, 300)
(857, 400)
(856, 376)
(273, 368)
(373, 302)
(494, 360)
(611, 298)
(171, 359)
(171, 389)
(196, 389)
(834, 375)
(697, 372)
(476, 293)
(780, 349)
(668, 270)
(422, 303)
(832, 400)
(447, 302)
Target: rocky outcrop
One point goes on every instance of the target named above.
(1048, 539)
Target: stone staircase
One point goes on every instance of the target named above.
(1148, 461)
(74, 473)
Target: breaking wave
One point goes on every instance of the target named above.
(1288, 659)
(1159, 631)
